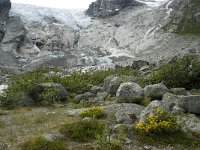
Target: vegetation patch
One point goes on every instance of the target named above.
(188, 23)
(84, 130)
(40, 143)
(94, 112)
(160, 121)
(185, 72)
(75, 83)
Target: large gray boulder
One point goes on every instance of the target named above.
(107, 8)
(191, 104)
(150, 109)
(178, 91)
(155, 91)
(129, 92)
(114, 85)
(84, 97)
(56, 92)
(170, 100)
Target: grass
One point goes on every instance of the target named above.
(179, 140)
(83, 131)
(40, 143)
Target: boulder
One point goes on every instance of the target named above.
(170, 100)
(58, 92)
(155, 91)
(114, 85)
(191, 104)
(189, 123)
(95, 89)
(107, 8)
(52, 137)
(101, 96)
(139, 64)
(20, 99)
(123, 117)
(129, 92)
(84, 97)
(178, 91)
(150, 109)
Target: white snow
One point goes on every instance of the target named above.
(153, 3)
(74, 18)
(169, 10)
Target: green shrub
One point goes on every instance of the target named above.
(49, 95)
(75, 83)
(185, 72)
(40, 143)
(94, 112)
(83, 130)
(160, 121)
(103, 141)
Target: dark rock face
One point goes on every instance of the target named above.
(5, 6)
(107, 8)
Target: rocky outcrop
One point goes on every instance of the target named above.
(5, 6)
(107, 8)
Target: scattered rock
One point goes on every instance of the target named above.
(191, 104)
(123, 117)
(114, 85)
(129, 92)
(178, 91)
(101, 96)
(84, 97)
(52, 137)
(155, 91)
(150, 109)
(139, 64)
(95, 89)
(170, 100)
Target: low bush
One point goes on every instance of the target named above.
(40, 143)
(185, 72)
(84, 130)
(94, 112)
(160, 121)
(77, 82)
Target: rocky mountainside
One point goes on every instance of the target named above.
(119, 33)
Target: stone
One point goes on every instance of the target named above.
(61, 93)
(123, 117)
(20, 99)
(114, 85)
(178, 91)
(191, 104)
(84, 97)
(112, 109)
(129, 92)
(52, 137)
(155, 91)
(150, 109)
(101, 96)
(170, 100)
(189, 123)
(95, 89)
(139, 64)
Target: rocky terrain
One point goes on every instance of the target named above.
(74, 40)
(148, 99)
